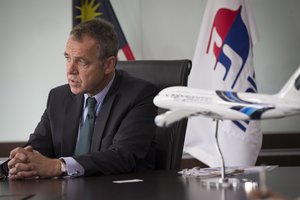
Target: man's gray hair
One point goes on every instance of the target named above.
(102, 32)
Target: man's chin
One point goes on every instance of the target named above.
(76, 90)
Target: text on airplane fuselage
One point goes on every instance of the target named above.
(190, 98)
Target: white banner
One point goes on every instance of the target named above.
(223, 61)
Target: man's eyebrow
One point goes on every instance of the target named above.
(83, 57)
(76, 57)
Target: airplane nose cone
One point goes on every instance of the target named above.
(156, 100)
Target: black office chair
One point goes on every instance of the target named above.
(164, 73)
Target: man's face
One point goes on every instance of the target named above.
(85, 72)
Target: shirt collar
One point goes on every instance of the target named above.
(101, 95)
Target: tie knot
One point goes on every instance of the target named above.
(91, 103)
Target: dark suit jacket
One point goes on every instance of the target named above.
(123, 138)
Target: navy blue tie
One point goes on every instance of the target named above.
(84, 142)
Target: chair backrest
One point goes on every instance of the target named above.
(164, 73)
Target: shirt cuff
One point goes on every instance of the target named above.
(74, 169)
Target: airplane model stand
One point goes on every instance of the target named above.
(223, 182)
(182, 102)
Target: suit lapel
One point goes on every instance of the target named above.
(101, 122)
(102, 119)
(71, 123)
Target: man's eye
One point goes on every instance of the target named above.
(68, 59)
(82, 63)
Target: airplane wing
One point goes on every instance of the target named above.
(172, 116)
(214, 112)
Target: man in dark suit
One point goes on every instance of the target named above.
(123, 135)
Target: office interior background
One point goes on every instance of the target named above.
(33, 34)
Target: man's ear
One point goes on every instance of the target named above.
(110, 64)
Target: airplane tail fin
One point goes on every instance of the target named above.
(291, 90)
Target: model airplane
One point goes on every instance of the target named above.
(183, 102)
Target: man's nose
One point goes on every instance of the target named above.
(71, 67)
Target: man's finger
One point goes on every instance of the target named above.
(23, 167)
(29, 148)
(21, 157)
(27, 174)
(11, 163)
(20, 167)
(24, 175)
(14, 152)
(18, 158)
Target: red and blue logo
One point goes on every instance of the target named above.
(233, 32)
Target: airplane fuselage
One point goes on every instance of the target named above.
(183, 102)
(226, 105)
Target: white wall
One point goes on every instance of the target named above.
(277, 54)
(32, 40)
(33, 35)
